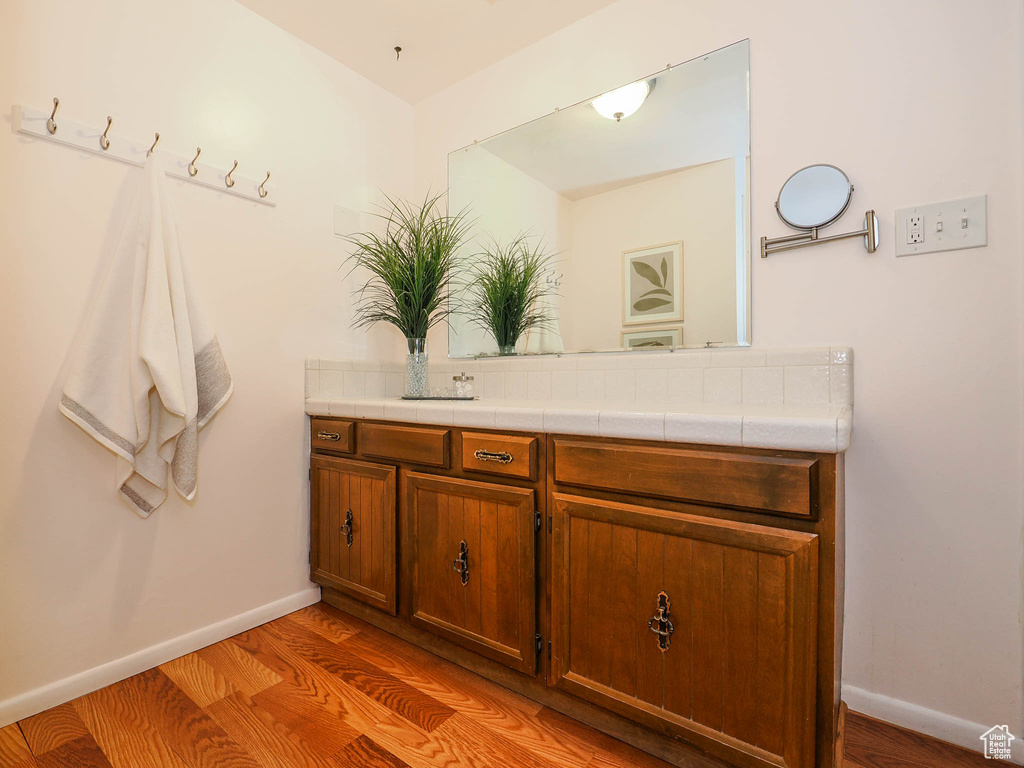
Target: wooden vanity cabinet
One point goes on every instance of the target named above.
(685, 599)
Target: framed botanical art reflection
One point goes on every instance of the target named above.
(652, 284)
(653, 338)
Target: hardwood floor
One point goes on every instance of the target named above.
(319, 688)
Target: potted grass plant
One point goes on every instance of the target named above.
(410, 276)
(506, 292)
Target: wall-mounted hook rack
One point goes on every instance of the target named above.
(36, 123)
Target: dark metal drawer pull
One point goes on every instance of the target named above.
(332, 436)
(347, 528)
(461, 563)
(502, 457)
(659, 623)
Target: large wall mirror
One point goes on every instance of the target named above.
(642, 197)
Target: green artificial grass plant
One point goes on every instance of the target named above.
(409, 265)
(504, 292)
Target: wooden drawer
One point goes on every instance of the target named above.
(777, 484)
(353, 529)
(508, 455)
(332, 435)
(417, 445)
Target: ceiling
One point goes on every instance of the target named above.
(443, 41)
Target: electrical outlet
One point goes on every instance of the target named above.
(949, 226)
(915, 230)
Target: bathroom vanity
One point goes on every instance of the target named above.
(683, 597)
(650, 542)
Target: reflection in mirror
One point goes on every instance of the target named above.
(814, 196)
(642, 195)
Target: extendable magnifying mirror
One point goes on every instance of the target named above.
(813, 198)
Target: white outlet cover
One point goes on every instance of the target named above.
(915, 229)
(952, 235)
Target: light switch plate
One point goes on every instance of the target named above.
(950, 226)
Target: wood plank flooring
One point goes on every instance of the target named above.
(872, 743)
(321, 689)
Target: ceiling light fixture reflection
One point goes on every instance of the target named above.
(622, 102)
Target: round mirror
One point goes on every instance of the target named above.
(814, 197)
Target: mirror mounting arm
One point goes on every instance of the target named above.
(807, 239)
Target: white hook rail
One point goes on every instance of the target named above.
(32, 122)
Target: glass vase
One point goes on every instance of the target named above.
(507, 349)
(416, 368)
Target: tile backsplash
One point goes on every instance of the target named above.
(797, 376)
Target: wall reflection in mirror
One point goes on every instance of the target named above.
(634, 206)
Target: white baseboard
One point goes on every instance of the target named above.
(955, 730)
(40, 699)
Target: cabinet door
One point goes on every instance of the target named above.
(353, 529)
(472, 566)
(733, 668)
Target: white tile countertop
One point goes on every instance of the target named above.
(819, 428)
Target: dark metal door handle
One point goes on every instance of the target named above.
(347, 528)
(660, 624)
(502, 457)
(461, 563)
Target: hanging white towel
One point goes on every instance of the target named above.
(148, 373)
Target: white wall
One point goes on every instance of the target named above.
(918, 101)
(83, 580)
(696, 206)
